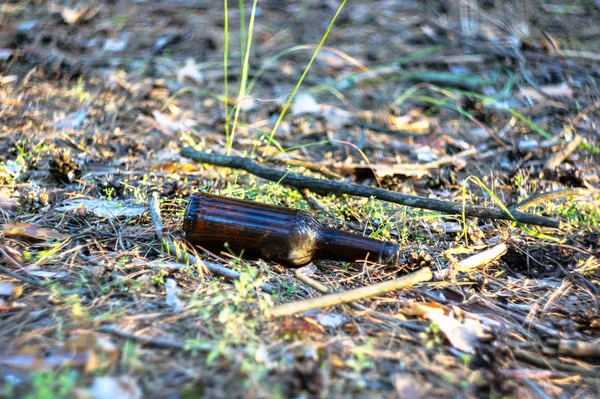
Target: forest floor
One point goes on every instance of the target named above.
(486, 103)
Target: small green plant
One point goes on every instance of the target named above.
(433, 336)
(159, 277)
(78, 91)
(50, 385)
(361, 361)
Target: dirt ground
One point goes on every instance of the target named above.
(488, 103)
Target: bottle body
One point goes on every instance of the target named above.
(288, 236)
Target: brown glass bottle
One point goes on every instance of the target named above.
(287, 236)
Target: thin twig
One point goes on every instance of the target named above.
(328, 187)
(482, 258)
(142, 339)
(544, 363)
(324, 301)
(33, 280)
(26, 280)
(560, 156)
(322, 288)
(154, 208)
(575, 348)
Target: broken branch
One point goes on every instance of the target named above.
(328, 187)
(324, 301)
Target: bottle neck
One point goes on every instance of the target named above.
(348, 247)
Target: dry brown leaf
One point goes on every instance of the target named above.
(462, 336)
(10, 289)
(423, 309)
(86, 349)
(190, 72)
(123, 387)
(72, 16)
(406, 123)
(8, 306)
(31, 231)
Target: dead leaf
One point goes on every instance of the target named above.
(123, 387)
(423, 309)
(31, 231)
(103, 208)
(169, 126)
(10, 289)
(72, 16)
(562, 90)
(462, 336)
(190, 72)
(171, 292)
(406, 387)
(330, 320)
(8, 79)
(305, 104)
(8, 306)
(5, 54)
(114, 44)
(86, 349)
(47, 274)
(407, 123)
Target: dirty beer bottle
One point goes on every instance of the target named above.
(290, 237)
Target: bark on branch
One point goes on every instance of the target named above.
(329, 186)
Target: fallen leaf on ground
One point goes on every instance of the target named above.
(330, 320)
(10, 289)
(305, 104)
(168, 125)
(104, 208)
(171, 292)
(86, 349)
(423, 308)
(5, 54)
(71, 16)
(462, 336)
(32, 231)
(558, 90)
(123, 387)
(47, 274)
(190, 72)
(114, 44)
(7, 306)
(407, 123)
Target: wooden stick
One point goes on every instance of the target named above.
(544, 363)
(141, 339)
(356, 306)
(560, 156)
(335, 187)
(324, 301)
(576, 348)
(482, 258)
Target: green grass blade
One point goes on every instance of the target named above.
(242, 90)
(225, 68)
(289, 101)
